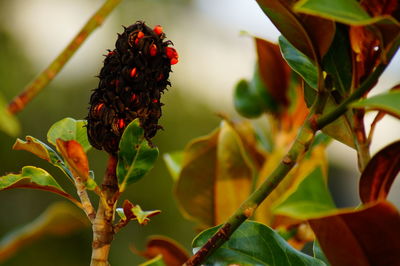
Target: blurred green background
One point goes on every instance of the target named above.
(213, 56)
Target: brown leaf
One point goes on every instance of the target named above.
(379, 7)
(274, 70)
(173, 254)
(379, 174)
(370, 236)
(75, 156)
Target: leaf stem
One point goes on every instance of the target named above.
(103, 229)
(41, 81)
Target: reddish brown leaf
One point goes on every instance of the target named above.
(370, 236)
(75, 156)
(127, 207)
(173, 254)
(274, 70)
(379, 174)
(379, 7)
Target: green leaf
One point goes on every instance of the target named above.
(337, 62)
(258, 86)
(311, 198)
(35, 178)
(43, 151)
(8, 122)
(246, 102)
(174, 160)
(299, 62)
(344, 11)
(254, 244)
(156, 261)
(69, 129)
(318, 253)
(388, 102)
(59, 219)
(135, 156)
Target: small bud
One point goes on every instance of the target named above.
(158, 30)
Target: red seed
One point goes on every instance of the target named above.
(121, 123)
(110, 53)
(155, 101)
(158, 29)
(174, 61)
(133, 98)
(133, 72)
(171, 52)
(99, 107)
(117, 83)
(153, 49)
(140, 35)
(160, 77)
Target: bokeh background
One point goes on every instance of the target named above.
(216, 50)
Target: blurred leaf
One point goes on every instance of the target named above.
(310, 199)
(300, 63)
(288, 24)
(135, 157)
(337, 62)
(215, 177)
(246, 102)
(340, 128)
(388, 102)
(172, 253)
(379, 174)
(43, 151)
(367, 236)
(135, 212)
(34, 178)
(156, 261)
(69, 129)
(58, 219)
(254, 244)
(344, 11)
(273, 69)
(259, 89)
(9, 123)
(174, 160)
(318, 253)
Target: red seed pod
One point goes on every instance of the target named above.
(140, 35)
(158, 30)
(133, 72)
(173, 61)
(171, 53)
(153, 50)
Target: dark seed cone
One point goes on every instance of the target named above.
(133, 77)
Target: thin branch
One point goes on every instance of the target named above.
(83, 196)
(32, 89)
(103, 229)
(299, 147)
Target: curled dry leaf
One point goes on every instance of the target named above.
(75, 156)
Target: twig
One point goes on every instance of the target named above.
(103, 230)
(299, 147)
(85, 200)
(32, 89)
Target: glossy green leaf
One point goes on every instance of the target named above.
(366, 236)
(258, 86)
(156, 261)
(388, 102)
(59, 219)
(43, 151)
(344, 11)
(135, 156)
(8, 122)
(311, 198)
(246, 102)
(69, 129)
(299, 62)
(380, 173)
(254, 244)
(174, 160)
(337, 62)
